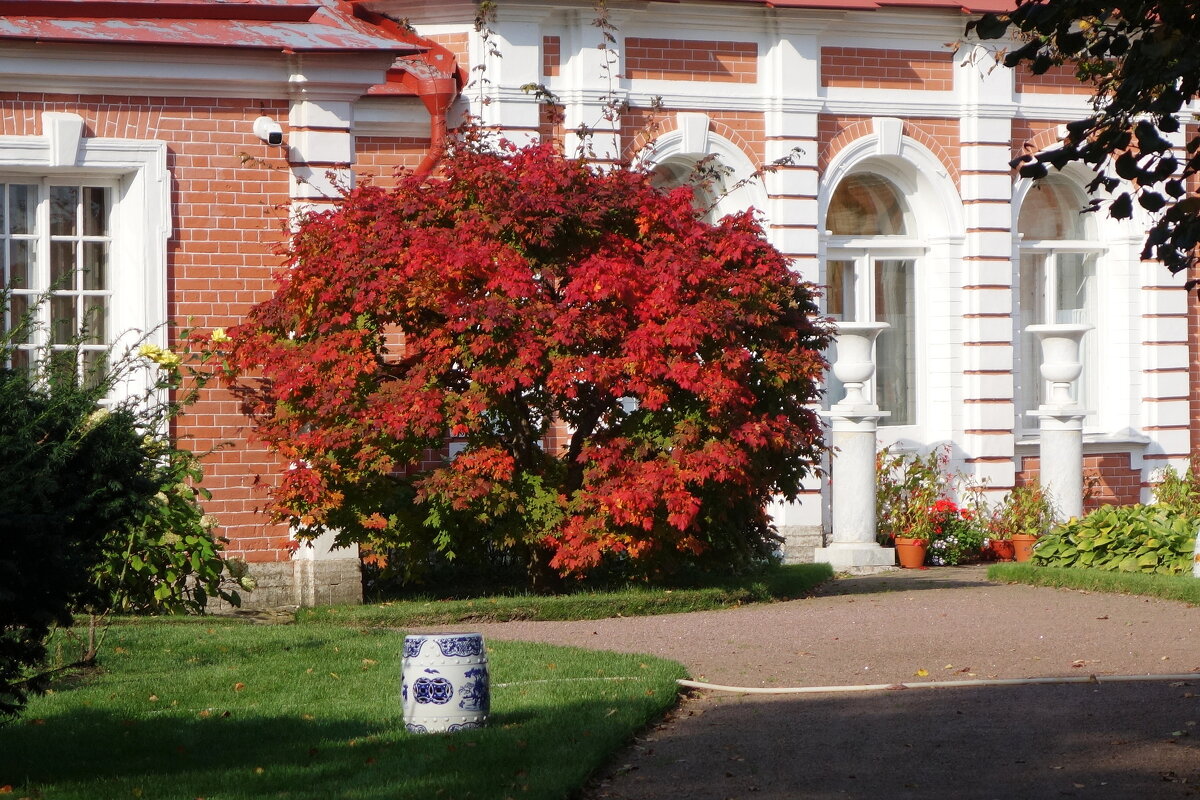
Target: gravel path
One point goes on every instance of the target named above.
(1138, 741)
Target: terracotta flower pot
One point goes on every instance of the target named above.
(1002, 549)
(911, 552)
(1023, 546)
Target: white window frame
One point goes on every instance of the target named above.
(141, 215)
(864, 253)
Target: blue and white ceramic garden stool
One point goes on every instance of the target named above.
(444, 682)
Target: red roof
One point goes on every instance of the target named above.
(285, 25)
(963, 6)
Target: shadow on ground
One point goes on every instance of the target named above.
(1110, 741)
(904, 580)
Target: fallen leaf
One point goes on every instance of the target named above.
(153, 698)
(334, 675)
(6, 789)
(259, 770)
(922, 673)
(1104, 617)
(237, 687)
(205, 713)
(307, 716)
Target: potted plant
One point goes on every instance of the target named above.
(1025, 514)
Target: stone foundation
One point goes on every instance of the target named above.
(299, 583)
(799, 542)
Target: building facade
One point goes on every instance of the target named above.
(129, 150)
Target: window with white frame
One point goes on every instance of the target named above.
(84, 223)
(871, 270)
(56, 264)
(1056, 283)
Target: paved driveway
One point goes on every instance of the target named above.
(1111, 740)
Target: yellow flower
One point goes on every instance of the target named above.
(164, 358)
(219, 335)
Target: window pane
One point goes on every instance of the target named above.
(64, 204)
(95, 366)
(62, 265)
(95, 211)
(1030, 386)
(18, 307)
(22, 206)
(839, 297)
(20, 257)
(1051, 210)
(64, 323)
(95, 320)
(95, 263)
(866, 205)
(1075, 303)
(895, 349)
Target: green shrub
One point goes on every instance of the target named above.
(1181, 491)
(98, 511)
(1138, 538)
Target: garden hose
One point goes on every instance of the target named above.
(880, 687)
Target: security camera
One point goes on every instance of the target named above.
(268, 130)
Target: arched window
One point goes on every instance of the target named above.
(705, 176)
(1056, 283)
(871, 277)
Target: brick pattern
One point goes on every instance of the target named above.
(1107, 479)
(746, 129)
(220, 261)
(690, 60)
(1033, 136)
(863, 68)
(551, 56)
(457, 43)
(378, 158)
(1056, 80)
(940, 136)
(550, 123)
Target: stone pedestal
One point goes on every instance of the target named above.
(853, 542)
(1061, 418)
(1061, 457)
(854, 422)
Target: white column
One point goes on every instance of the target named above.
(855, 420)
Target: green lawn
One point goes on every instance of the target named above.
(221, 710)
(779, 583)
(1167, 587)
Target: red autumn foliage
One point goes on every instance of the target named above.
(519, 293)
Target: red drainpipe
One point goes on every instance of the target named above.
(433, 75)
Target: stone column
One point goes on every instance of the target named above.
(1061, 417)
(854, 422)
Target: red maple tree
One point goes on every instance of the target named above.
(518, 300)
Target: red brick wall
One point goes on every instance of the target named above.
(456, 43)
(862, 68)
(1056, 80)
(940, 136)
(378, 157)
(691, 60)
(746, 129)
(229, 214)
(551, 56)
(1108, 475)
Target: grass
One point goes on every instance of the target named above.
(225, 710)
(781, 583)
(1167, 587)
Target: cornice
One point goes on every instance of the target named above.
(158, 71)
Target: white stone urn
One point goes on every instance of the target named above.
(855, 361)
(1061, 364)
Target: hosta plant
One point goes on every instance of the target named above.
(1137, 538)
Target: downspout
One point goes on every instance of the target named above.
(437, 91)
(433, 75)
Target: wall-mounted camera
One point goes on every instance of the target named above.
(268, 130)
